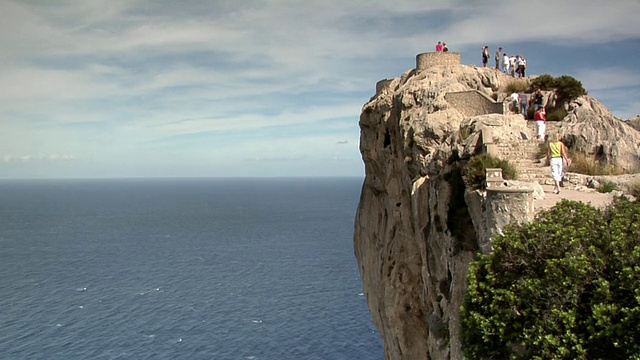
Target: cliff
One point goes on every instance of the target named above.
(417, 226)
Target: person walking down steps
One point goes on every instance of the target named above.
(556, 155)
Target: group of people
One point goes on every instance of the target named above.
(520, 102)
(512, 65)
(441, 47)
(557, 153)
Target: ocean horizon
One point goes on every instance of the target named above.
(182, 268)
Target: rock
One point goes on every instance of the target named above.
(591, 128)
(635, 122)
(414, 233)
(538, 192)
(418, 226)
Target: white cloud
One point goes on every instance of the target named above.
(563, 22)
(113, 78)
(603, 78)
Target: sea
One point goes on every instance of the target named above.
(222, 268)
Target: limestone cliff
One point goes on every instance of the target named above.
(417, 227)
(591, 128)
(413, 268)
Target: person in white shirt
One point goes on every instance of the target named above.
(521, 63)
(505, 63)
(512, 64)
(514, 102)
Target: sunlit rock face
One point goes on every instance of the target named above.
(417, 226)
(591, 128)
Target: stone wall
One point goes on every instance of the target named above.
(429, 59)
(474, 103)
(383, 85)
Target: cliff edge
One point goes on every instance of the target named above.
(417, 227)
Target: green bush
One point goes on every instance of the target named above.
(565, 286)
(543, 82)
(607, 187)
(568, 88)
(475, 171)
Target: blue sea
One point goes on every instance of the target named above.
(182, 269)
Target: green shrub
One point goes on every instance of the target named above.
(607, 187)
(475, 171)
(543, 82)
(565, 286)
(568, 88)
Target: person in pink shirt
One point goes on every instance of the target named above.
(439, 46)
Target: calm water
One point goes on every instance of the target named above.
(182, 269)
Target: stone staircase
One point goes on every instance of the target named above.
(523, 153)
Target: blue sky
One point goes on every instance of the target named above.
(229, 88)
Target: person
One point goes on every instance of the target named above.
(538, 98)
(485, 55)
(556, 153)
(540, 117)
(439, 47)
(521, 63)
(512, 64)
(505, 63)
(444, 47)
(497, 58)
(514, 102)
(524, 99)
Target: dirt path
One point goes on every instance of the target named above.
(586, 196)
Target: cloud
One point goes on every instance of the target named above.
(562, 22)
(144, 80)
(604, 78)
(10, 158)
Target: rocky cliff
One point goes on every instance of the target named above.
(417, 226)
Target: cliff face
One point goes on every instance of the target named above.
(413, 250)
(417, 227)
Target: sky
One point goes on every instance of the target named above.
(270, 88)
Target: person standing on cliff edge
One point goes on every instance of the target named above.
(439, 46)
(485, 55)
(556, 154)
(497, 58)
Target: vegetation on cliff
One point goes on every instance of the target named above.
(566, 89)
(475, 170)
(566, 286)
